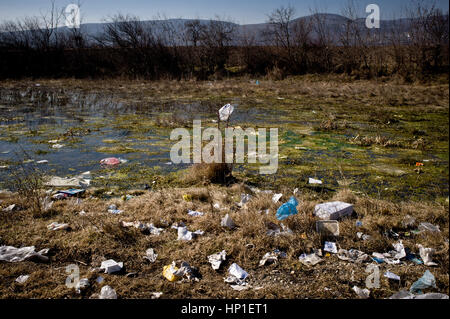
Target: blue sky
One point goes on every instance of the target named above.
(240, 11)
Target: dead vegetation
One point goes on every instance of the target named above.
(98, 236)
(376, 140)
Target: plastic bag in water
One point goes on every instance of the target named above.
(287, 209)
(225, 112)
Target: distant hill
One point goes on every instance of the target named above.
(333, 24)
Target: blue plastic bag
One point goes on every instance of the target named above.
(424, 282)
(287, 209)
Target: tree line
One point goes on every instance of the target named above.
(199, 49)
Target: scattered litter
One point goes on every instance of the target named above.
(216, 206)
(57, 226)
(274, 230)
(184, 234)
(195, 213)
(156, 295)
(82, 284)
(276, 197)
(333, 210)
(225, 112)
(287, 209)
(110, 266)
(99, 279)
(429, 227)
(154, 230)
(53, 141)
(272, 257)
(327, 227)
(330, 247)
(310, 259)
(399, 250)
(113, 209)
(112, 161)
(22, 279)
(244, 199)
(242, 287)
(362, 293)
(150, 255)
(391, 275)
(358, 223)
(363, 236)
(107, 293)
(352, 255)
(427, 255)
(432, 295)
(227, 222)
(56, 181)
(169, 272)
(13, 254)
(413, 258)
(216, 259)
(187, 198)
(57, 145)
(10, 208)
(424, 282)
(403, 294)
(72, 192)
(393, 257)
(42, 162)
(237, 274)
(314, 181)
(4, 166)
(391, 234)
(185, 270)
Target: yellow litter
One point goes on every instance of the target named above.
(187, 198)
(168, 273)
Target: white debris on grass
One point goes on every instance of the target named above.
(111, 266)
(309, 259)
(276, 197)
(150, 255)
(184, 234)
(108, 293)
(13, 254)
(227, 222)
(333, 210)
(216, 259)
(362, 293)
(195, 213)
(314, 181)
(57, 226)
(427, 255)
(22, 279)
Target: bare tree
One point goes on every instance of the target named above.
(193, 32)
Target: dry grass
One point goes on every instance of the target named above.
(209, 173)
(376, 140)
(99, 235)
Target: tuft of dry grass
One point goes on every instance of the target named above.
(209, 173)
